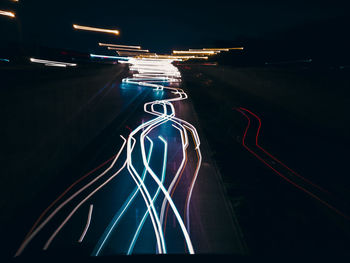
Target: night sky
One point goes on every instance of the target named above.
(160, 26)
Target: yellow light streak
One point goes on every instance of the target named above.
(7, 13)
(128, 49)
(224, 49)
(171, 57)
(215, 51)
(202, 52)
(121, 46)
(102, 30)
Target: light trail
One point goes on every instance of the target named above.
(66, 191)
(160, 75)
(274, 158)
(224, 49)
(196, 52)
(109, 57)
(37, 229)
(170, 57)
(52, 63)
(47, 244)
(138, 230)
(177, 176)
(156, 179)
(87, 224)
(7, 13)
(128, 49)
(189, 195)
(121, 211)
(291, 180)
(121, 46)
(144, 191)
(96, 29)
(145, 131)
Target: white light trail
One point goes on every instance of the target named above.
(37, 230)
(160, 75)
(122, 210)
(87, 224)
(52, 63)
(138, 230)
(145, 193)
(184, 147)
(145, 131)
(108, 57)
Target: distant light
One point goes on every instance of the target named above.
(55, 65)
(216, 49)
(121, 46)
(52, 63)
(224, 49)
(132, 54)
(203, 52)
(7, 13)
(4, 59)
(111, 57)
(173, 57)
(128, 49)
(88, 28)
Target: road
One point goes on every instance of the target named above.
(282, 152)
(135, 170)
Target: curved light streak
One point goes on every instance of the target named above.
(87, 224)
(175, 180)
(156, 74)
(36, 231)
(121, 211)
(133, 242)
(241, 110)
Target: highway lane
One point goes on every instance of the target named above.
(150, 192)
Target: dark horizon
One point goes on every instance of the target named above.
(162, 28)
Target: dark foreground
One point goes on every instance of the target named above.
(305, 125)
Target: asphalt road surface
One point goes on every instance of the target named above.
(280, 139)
